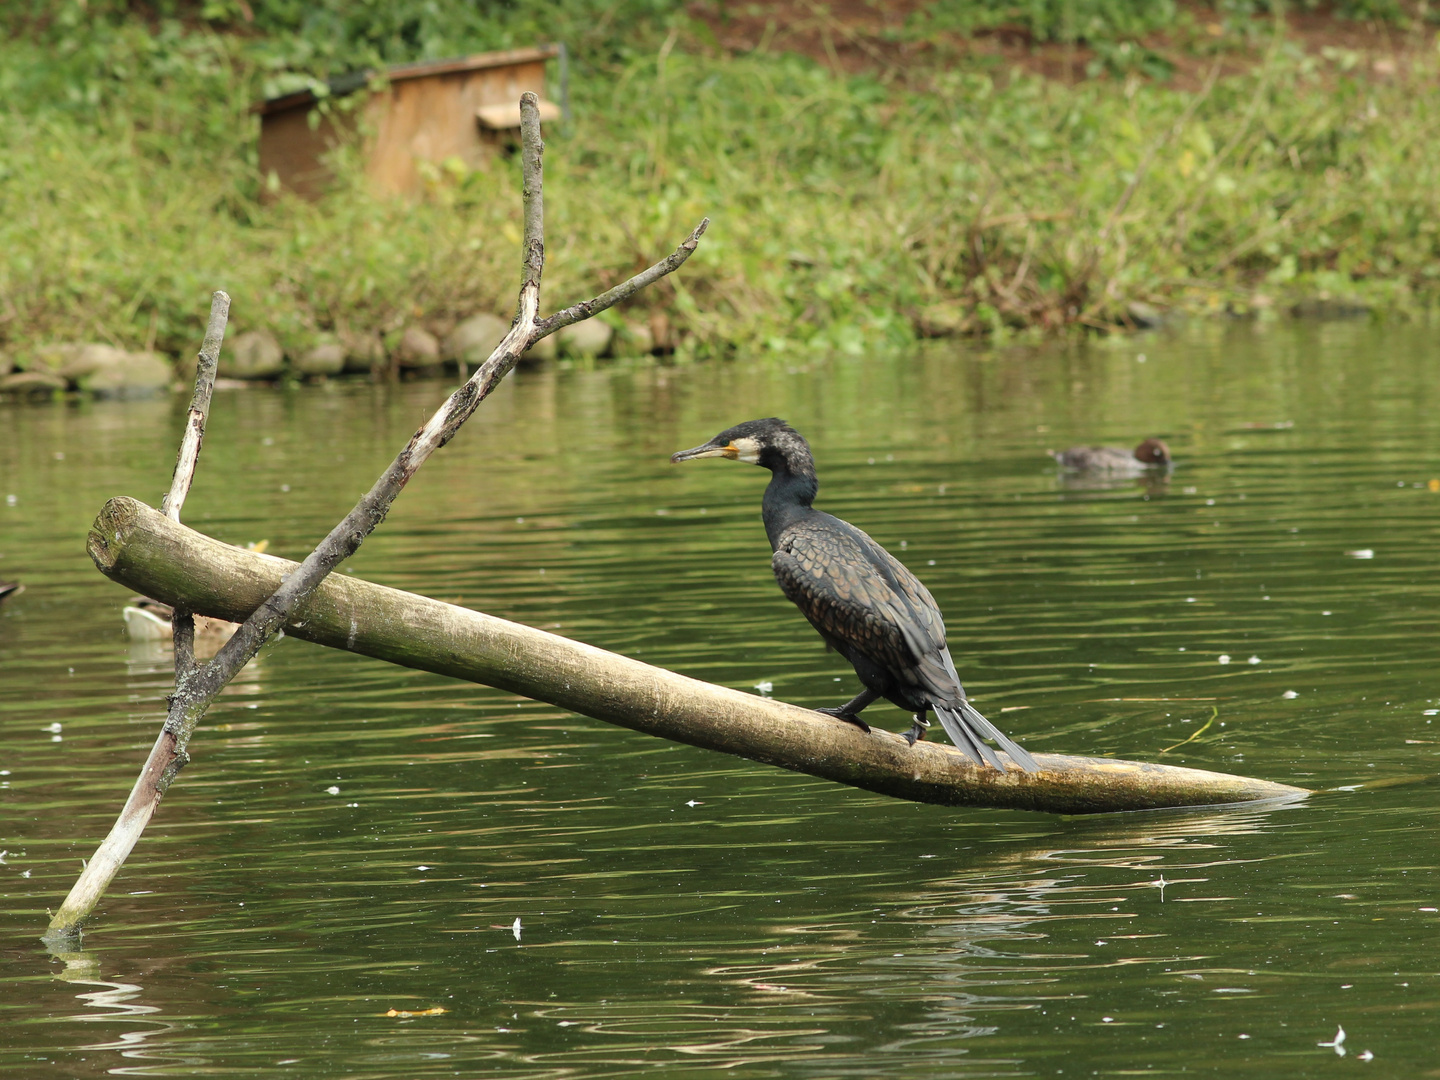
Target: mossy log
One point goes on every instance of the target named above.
(146, 551)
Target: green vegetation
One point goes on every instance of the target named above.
(847, 211)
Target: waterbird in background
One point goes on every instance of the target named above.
(865, 604)
(150, 620)
(1150, 454)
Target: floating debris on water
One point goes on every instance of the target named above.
(1337, 1043)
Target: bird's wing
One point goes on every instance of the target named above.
(854, 592)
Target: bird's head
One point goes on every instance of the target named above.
(772, 444)
(1153, 452)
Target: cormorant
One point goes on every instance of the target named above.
(1150, 454)
(865, 604)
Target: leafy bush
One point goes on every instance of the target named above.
(846, 211)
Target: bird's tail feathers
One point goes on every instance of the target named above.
(967, 728)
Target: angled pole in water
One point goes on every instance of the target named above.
(196, 689)
(167, 756)
(141, 549)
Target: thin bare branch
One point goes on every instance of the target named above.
(183, 622)
(182, 636)
(206, 363)
(532, 175)
(587, 308)
(196, 689)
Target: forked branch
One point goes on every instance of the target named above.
(196, 689)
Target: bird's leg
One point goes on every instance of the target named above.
(918, 728)
(851, 709)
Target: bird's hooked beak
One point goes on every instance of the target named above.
(709, 449)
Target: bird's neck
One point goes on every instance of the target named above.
(787, 500)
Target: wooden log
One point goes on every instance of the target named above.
(147, 552)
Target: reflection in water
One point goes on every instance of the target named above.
(121, 1011)
(979, 946)
(1152, 483)
(150, 664)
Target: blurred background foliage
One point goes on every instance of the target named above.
(967, 195)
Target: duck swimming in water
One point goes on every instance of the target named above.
(864, 603)
(150, 620)
(1150, 454)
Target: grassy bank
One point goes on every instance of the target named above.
(847, 211)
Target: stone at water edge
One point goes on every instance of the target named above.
(84, 360)
(138, 374)
(590, 338)
(635, 339)
(418, 348)
(945, 319)
(1144, 316)
(544, 349)
(31, 382)
(255, 354)
(364, 351)
(50, 357)
(474, 339)
(99, 369)
(326, 358)
(661, 332)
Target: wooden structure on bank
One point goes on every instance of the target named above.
(429, 112)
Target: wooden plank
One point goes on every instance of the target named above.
(348, 84)
(476, 62)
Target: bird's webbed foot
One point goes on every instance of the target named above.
(839, 712)
(850, 711)
(917, 729)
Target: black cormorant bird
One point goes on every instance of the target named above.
(1150, 454)
(867, 606)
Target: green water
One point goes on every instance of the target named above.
(353, 838)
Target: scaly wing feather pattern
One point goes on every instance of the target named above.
(831, 573)
(858, 595)
(862, 599)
